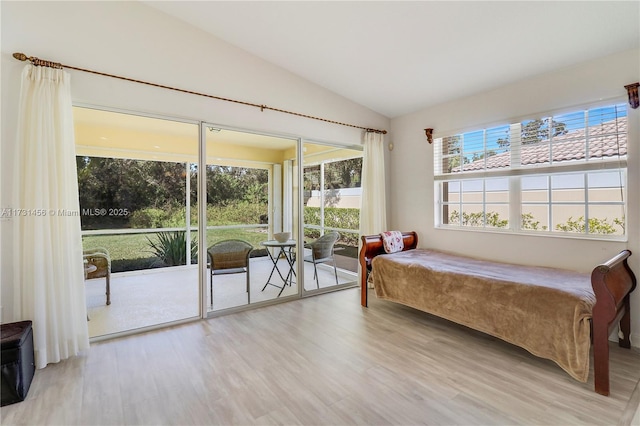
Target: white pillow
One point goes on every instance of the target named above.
(392, 241)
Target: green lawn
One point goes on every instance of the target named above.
(132, 252)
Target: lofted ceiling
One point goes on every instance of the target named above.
(398, 57)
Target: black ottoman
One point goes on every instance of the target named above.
(18, 366)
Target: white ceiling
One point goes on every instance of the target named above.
(399, 57)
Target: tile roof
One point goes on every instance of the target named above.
(604, 140)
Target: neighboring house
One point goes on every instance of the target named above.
(603, 143)
(341, 198)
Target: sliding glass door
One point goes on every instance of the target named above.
(250, 187)
(137, 188)
(144, 185)
(332, 192)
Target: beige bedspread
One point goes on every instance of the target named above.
(543, 310)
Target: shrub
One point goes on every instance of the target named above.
(596, 226)
(478, 219)
(148, 218)
(528, 222)
(171, 249)
(236, 213)
(312, 216)
(123, 265)
(334, 217)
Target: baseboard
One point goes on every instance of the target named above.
(635, 340)
(631, 413)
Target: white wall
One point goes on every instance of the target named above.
(136, 41)
(412, 189)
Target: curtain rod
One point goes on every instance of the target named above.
(44, 63)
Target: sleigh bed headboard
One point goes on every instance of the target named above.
(371, 247)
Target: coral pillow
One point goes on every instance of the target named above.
(392, 241)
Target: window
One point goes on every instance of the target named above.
(560, 174)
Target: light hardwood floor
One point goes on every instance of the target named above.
(321, 360)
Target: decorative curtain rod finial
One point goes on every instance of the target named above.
(632, 90)
(429, 133)
(20, 56)
(37, 61)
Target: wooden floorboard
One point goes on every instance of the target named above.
(320, 360)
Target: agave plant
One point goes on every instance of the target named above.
(170, 248)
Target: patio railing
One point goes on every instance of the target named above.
(130, 248)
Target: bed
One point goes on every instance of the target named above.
(553, 313)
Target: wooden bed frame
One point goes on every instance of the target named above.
(612, 283)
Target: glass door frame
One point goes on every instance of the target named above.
(169, 118)
(317, 291)
(202, 217)
(202, 224)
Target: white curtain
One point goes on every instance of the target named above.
(48, 267)
(373, 211)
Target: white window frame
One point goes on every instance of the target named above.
(515, 174)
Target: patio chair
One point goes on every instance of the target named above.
(229, 257)
(98, 265)
(321, 252)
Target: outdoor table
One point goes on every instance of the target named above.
(284, 250)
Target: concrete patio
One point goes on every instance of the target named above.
(157, 296)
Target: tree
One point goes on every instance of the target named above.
(451, 146)
(111, 184)
(227, 184)
(115, 183)
(536, 131)
(343, 174)
(479, 156)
